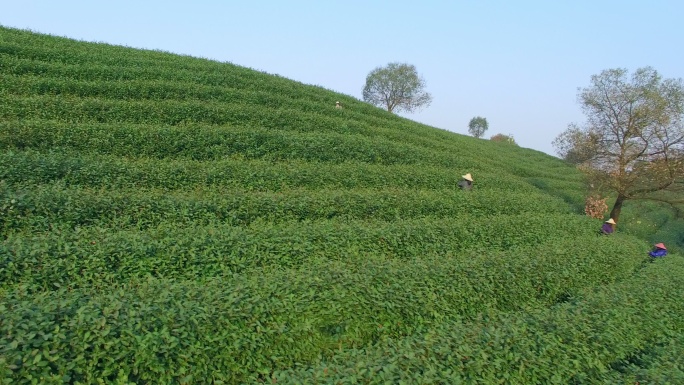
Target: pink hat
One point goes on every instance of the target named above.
(660, 246)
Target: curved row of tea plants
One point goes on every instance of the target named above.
(115, 172)
(620, 334)
(207, 143)
(40, 207)
(235, 326)
(91, 254)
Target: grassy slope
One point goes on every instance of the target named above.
(199, 220)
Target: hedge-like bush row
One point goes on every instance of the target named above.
(212, 143)
(140, 91)
(246, 85)
(190, 91)
(58, 81)
(193, 72)
(86, 256)
(137, 90)
(219, 143)
(328, 142)
(237, 329)
(65, 63)
(622, 333)
(113, 172)
(40, 207)
(169, 112)
(166, 90)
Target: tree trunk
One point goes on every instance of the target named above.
(617, 207)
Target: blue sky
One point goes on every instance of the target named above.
(517, 63)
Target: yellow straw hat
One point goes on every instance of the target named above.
(611, 221)
(468, 177)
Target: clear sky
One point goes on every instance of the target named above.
(517, 63)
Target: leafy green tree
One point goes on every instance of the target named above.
(503, 138)
(632, 143)
(396, 87)
(477, 126)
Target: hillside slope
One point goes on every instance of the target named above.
(168, 219)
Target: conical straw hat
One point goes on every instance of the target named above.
(660, 246)
(468, 177)
(611, 221)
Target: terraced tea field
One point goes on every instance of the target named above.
(173, 220)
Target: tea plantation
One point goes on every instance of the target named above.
(174, 220)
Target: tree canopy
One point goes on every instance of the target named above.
(396, 87)
(632, 143)
(477, 126)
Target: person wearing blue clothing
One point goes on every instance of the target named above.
(659, 251)
(607, 227)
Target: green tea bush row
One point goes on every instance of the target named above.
(174, 69)
(96, 78)
(264, 132)
(210, 143)
(352, 119)
(238, 328)
(218, 143)
(149, 90)
(42, 61)
(191, 92)
(160, 90)
(167, 112)
(38, 207)
(182, 89)
(113, 172)
(179, 91)
(222, 79)
(78, 61)
(85, 256)
(598, 339)
(49, 48)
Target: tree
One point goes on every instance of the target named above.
(632, 143)
(477, 126)
(503, 138)
(396, 87)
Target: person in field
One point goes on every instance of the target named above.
(608, 227)
(338, 105)
(466, 183)
(659, 250)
